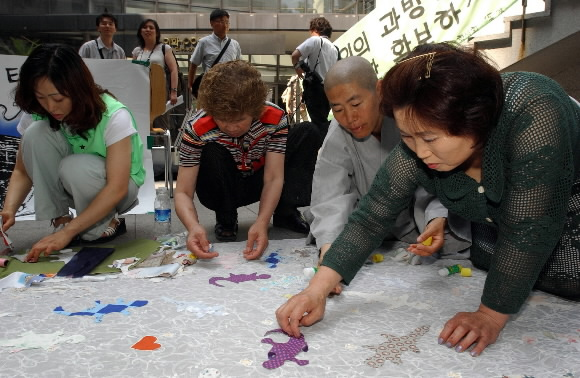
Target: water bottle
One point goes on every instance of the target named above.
(162, 212)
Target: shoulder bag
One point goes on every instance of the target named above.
(197, 81)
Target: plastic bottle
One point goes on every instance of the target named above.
(162, 212)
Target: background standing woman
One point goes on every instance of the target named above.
(151, 50)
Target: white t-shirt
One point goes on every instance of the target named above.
(156, 56)
(309, 50)
(119, 127)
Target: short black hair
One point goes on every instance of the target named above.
(218, 13)
(107, 15)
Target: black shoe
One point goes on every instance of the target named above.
(293, 221)
(226, 233)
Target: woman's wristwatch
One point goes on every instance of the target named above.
(174, 90)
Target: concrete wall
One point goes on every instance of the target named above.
(551, 46)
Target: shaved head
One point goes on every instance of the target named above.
(353, 69)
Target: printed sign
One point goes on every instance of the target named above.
(394, 28)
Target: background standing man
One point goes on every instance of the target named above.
(208, 48)
(103, 47)
(319, 54)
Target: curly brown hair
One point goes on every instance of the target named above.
(321, 26)
(231, 89)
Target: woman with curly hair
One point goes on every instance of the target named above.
(237, 150)
(82, 151)
(500, 150)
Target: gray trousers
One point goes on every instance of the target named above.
(64, 180)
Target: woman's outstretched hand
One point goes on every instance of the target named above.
(480, 328)
(307, 307)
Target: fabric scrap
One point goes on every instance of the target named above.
(282, 352)
(84, 261)
(101, 309)
(237, 278)
(273, 259)
(394, 347)
(198, 308)
(155, 271)
(31, 340)
(147, 343)
(20, 280)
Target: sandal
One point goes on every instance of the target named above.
(226, 234)
(111, 233)
(56, 224)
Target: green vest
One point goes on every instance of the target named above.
(94, 143)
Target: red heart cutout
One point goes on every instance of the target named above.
(147, 343)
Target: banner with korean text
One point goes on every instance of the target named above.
(394, 28)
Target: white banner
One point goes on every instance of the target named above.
(127, 81)
(394, 28)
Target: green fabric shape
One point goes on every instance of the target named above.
(141, 248)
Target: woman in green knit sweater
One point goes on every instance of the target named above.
(501, 150)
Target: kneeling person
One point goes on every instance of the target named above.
(237, 150)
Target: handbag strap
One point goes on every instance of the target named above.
(98, 49)
(318, 57)
(221, 52)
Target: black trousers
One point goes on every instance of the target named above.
(222, 188)
(317, 105)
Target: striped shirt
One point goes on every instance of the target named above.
(267, 134)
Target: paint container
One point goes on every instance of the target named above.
(4, 263)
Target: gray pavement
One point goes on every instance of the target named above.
(26, 232)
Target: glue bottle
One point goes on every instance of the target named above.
(309, 272)
(162, 213)
(453, 269)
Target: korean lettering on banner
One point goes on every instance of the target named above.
(359, 47)
(415, 11)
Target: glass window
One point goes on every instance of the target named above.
(113, 6)
(172, 8)
(264, 59)
(285, 60)
(139, 6)
(25, 7)
(319, 6)
(293, 6)
(264, 6)
(345, 6)
(69, 6)
(237, 5)
(204, 6)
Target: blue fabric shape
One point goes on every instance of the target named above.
(273, 259)
(100, 310)
(84, 261)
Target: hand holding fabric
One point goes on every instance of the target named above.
(258, 236)
(434, 229)
(198, 244)
(48, 244)
(307, 307)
